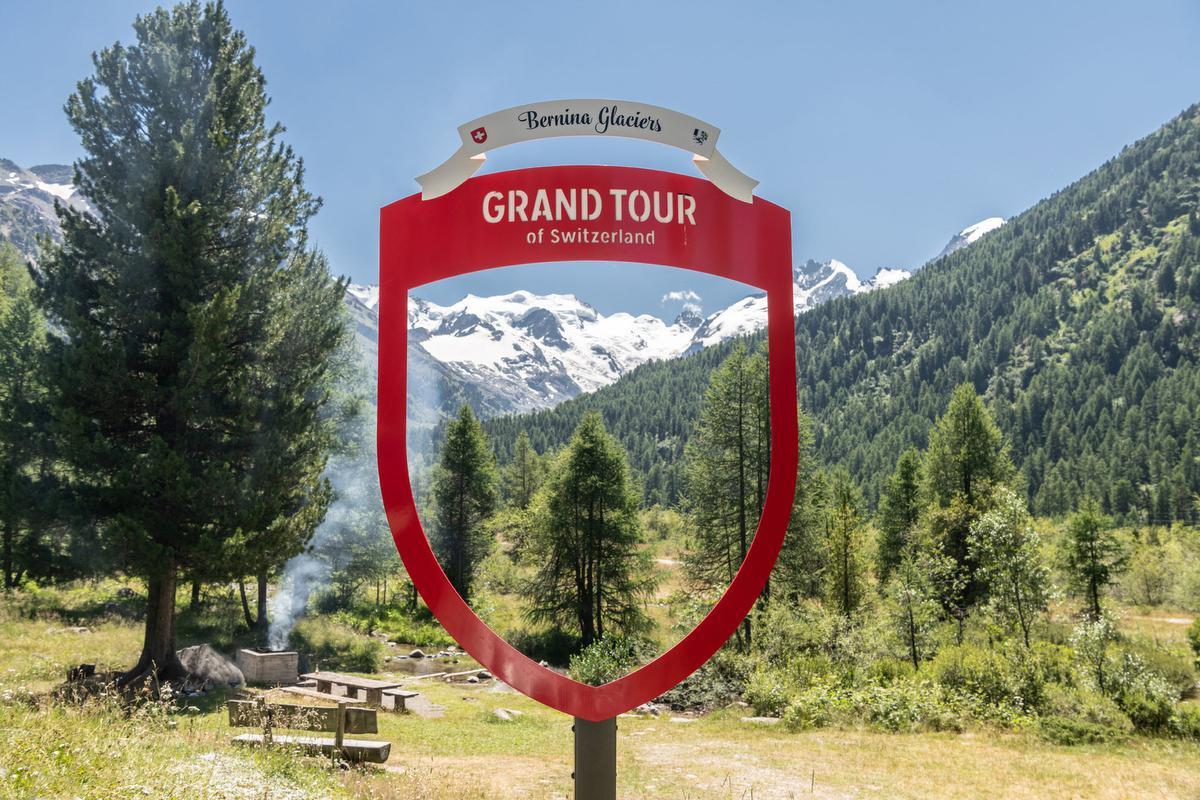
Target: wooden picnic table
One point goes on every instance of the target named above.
(372, 689)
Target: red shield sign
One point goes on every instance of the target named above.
(584, 213)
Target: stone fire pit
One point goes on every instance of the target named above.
(269, 668)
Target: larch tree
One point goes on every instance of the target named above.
(726, 465)
(899, 513)
(464, 495)
(590, 572)
(846, 571)
(167, 305)
(523, 475)
(1095, 555)
(966, 462)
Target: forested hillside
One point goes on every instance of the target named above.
(1077, 321)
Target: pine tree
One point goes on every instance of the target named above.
(1007, 550)
(845, 546)
(168, 300)
(1095, 555)
(590, 572)
(523, 474)
(800, 569)
(464, 495)
(899, 512)
(725, 469)
(22, 409)
(966, 462)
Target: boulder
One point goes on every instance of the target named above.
(206, 664)
(484, 675)
(506, 714)
(417, 653)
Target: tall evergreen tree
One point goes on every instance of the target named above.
(1095, 555)
(523, 474)
(167, 301)
(726, 463)
(590, 572)
(800, 569)
(22, 410)
(966, 462)
(464, 495)
(899, 512)
(845, 546)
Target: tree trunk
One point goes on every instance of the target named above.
(260, 624)
(158, 660)
(245, 603)
(10, 534)
(195, 593)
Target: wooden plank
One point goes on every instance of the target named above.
(400, 699)
(463, 674)
(340, 699)
(427, 677)
(246, 714)
(367, 750)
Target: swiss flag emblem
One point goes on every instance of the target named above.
(479, 135)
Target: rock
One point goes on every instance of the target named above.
(683, 720)
(647, 708)
(473, 679)
(417, 653)
(506, 714)
(125, 593)
(484, 675)
(206, 664)
(761, 720)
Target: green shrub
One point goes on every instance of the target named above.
(1085, 705)
(1193, 635)
(1143, 695)
(1185, 722)
(817, 706)
(1175, 667)
(907, 706)
(983, 674)
(1071, 731)
(887, 671)
(608, 659)
(332, 645)
(768, 691)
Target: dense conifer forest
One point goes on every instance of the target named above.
(1076, 321)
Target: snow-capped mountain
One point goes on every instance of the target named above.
(970, 235)
(523, 351)
(27, 199)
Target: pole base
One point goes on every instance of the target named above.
(595, 759)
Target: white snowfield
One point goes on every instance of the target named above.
(538, 350)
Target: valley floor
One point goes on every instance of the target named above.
(48, 750)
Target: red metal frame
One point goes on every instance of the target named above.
(427, 240)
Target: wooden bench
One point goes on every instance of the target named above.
(315, 695)
(338, 720)
(399, 698)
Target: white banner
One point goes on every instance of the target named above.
(586, 118)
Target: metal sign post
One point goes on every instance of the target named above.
(595, 759)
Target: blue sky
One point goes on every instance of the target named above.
(884, 127)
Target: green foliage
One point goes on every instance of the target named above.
(523, 474)
(464, 494)
(1194, 639)
(1185, 722)
(607, 659)
(330, 645)
(1007, 550)
(590, 573)
(913, 608)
